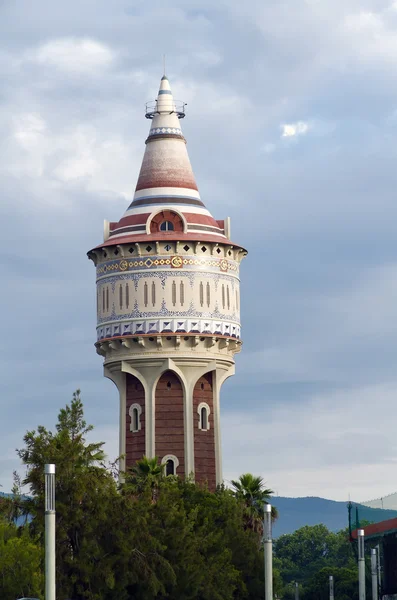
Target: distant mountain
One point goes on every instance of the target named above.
(297, 512)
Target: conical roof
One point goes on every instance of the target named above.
(166, 188)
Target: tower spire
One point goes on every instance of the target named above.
(166, 181)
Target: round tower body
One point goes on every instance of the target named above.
(168, 309)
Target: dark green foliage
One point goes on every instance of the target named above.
(345, 587)
(309, 556)
(150, 538)
(20, 562)
(253, 495)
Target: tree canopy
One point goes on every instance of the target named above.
(151, 537)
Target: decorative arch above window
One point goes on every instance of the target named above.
(171, 464)
(166, 221)
(135, 412)
(203, 411)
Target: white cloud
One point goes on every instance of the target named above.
(372, 35)
(74, 55)
(294, 129)
(330, 445)
(79, 153)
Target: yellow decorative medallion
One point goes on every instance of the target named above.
(176, 262)
(223, 264)
(123, 265)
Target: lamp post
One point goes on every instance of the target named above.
(374, 574)
(296, 590)
(331, 587)
(49, 474)
(361, 565)
(268, 551)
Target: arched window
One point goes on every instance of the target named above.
(204, 418)
(135, 412)
(223, 296)
(107, 298)
(228, 297)
(121, 296)
(153, 293)
(166, 221)
(167, 226)
(135, 419)
(171, 464)
(208, 294)
(203, 411)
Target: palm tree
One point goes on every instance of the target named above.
(253, 494)
(145, 474)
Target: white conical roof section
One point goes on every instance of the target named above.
(166, 184)
(166, 171)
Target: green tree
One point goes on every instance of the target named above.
(253, 494)
(145, 474)
(149, 538)
(20, 563)
(301, 555)
(345, 584)
(90, 515)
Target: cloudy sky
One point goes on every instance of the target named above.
(291, 129)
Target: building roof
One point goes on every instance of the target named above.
(166, 185)
(376, 530)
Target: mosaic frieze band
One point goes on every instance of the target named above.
(123, 265)
(164, 326)
(165, 131)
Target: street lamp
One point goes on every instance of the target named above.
(374, 573)
(331, 587)
(268, 551)
(361, 565)
(49, 474)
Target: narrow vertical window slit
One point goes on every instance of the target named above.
(182, 292)
(145, 294)
(173, 293)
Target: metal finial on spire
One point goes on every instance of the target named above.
(165, 104)
(164, 65)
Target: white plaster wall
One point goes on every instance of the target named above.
(223, 294)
